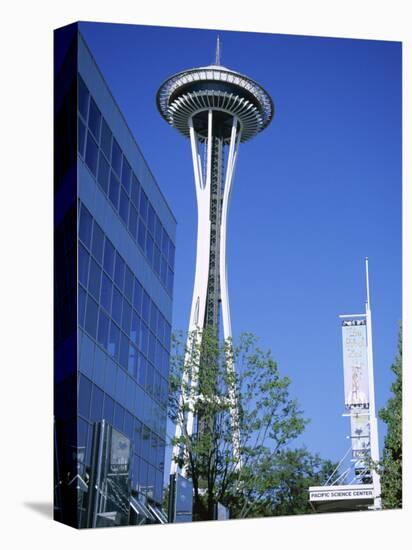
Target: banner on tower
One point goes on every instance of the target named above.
(360, 435)
(355, 364)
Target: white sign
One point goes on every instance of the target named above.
(341, 492)
(355, 365)
(120, 453)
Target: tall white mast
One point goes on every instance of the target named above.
(372, 412)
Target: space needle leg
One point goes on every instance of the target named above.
(197, 313)
(227, 329)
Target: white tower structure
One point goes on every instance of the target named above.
(364, 489)
(217, 109)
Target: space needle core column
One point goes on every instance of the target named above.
(216, 108)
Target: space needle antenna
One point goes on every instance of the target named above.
(218, 46)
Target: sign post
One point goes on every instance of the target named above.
(359, 392)
(360, 387)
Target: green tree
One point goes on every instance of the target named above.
(391, 465)
(253, 481)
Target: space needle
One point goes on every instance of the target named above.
(217, 109)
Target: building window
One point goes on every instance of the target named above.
(108, 409)
(106, 139)
(94, 120)
(116, 157)
(85, 226)
(83, 267)
(97, 243)
(126, 175)
(114, 189)
(91, 316)
(91, 154)
(103, 173)
(85, 390)
(108, 262)
(83, 98)
(103, 331)
(81, 136)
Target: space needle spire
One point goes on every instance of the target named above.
(216, 108)
(217, 58)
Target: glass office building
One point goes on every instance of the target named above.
(114, 265)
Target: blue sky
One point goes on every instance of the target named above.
(314, 194)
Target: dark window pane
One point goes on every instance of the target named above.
(149, 379)
(81, 305)
(165, 365)
(106, 139)
(171, 254)
(143, 205)
(108, 409)
(149, 248)
(137, 296)
(85, 390)
(151, 220)
(114, 189)
(160, 327)
(81, 136)
(142, 371)
(118, 416)
(158, 356)
(103, 332)
(128, 425)
(106, 293)
(85, 226)
(158, 232)
(144, 338)
(124, 350)
(145, 307)
(94, 120)
(91, 153)
(168, 329)
(133, 221)
(163, 269)
(83, 265)
(128, 284)
(117, 306)
(124, 206)
(134, 194)
(165, 243)
(156, 260)
(163, 391)
(116, 157)
(91, 317)
(103, 173)
(97, 243)
(152, 348)
(141, 236)
(135, 328)
(126, 175)
(95, 274)
(97, 404)
(126, 316)
(119, 271)
(153, 317)
(83, 98)
(108, 262)
(114, 338)
(169, 282)
(137, 436)
(132, 362)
